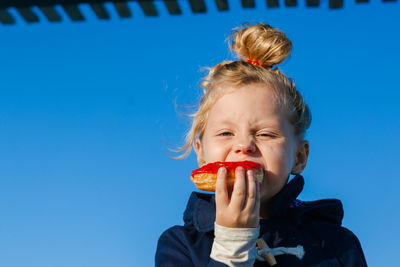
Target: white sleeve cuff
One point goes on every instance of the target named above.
(235, 247)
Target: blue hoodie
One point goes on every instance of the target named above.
(315, 225)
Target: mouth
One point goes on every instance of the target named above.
(259, 170)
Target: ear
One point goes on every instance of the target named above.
(199, 153)
(303, 149)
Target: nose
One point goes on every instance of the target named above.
(245, 145)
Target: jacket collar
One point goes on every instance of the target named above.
(200, 210)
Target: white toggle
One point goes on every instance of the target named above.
(297, 251)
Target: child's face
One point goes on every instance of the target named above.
(248, 124)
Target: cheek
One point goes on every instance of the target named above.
(278, 170)
(214, 151)
(278, 159)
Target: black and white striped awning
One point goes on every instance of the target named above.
(71, 7)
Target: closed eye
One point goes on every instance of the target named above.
(265, 135)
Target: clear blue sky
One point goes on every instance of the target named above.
(87, 116)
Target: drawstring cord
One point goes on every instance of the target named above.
(265, 253)
(296, 251)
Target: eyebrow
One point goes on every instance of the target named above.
(265, 124)
(261, 124)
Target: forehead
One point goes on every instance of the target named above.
(251, 102)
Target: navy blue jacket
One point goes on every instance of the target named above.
(316, 225)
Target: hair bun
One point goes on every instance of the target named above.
(262, 43)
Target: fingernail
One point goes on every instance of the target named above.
(222, 169)
(240, 168)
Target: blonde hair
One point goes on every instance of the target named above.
(254, 44)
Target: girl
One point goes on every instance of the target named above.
(251, 111)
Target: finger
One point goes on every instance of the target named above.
(251, 191)
(258, 198)
(221, 190)
(239, 189)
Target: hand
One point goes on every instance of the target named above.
(241, 208)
